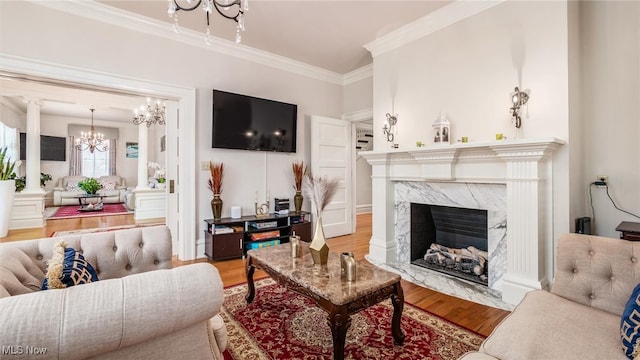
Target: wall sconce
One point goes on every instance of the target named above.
(389, 124)
(518, 98)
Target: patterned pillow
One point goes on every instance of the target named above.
(67, 267)
(630, 325)
(108, 185)
(72, 186)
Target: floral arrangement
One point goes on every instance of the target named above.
(320, 190)
(299, 171)
(7, 168)
(217, 173)
(90, 185)
(159, 172)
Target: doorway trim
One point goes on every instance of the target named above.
(186, 98)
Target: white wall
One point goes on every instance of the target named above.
(115, 50)
(468, 70)
(610, 60)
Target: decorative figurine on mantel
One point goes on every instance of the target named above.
(441, 130)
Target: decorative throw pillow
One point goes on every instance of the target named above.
(67, 267)
(72, 186)
(630, 325)
(108, 185)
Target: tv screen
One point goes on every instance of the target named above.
(250, 123)
(52, 148)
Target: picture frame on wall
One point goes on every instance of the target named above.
(163, 143)
(131, 150)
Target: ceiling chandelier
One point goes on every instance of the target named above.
(226, 8)
(151, 114)
(92, 140)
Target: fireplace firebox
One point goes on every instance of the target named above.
(450, 240)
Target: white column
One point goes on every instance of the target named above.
(143, 157)
(382, 247)
(527, 188)
(33, 146)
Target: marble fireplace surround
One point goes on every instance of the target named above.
(509, 178)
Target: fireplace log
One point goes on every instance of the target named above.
(469, 260)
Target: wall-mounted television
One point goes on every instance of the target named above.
(52, 148)
(251, 123)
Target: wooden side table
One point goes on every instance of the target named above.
(629, 230)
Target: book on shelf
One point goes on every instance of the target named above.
(258, 245)
(264, 224)
(265, 235)
(222, 229)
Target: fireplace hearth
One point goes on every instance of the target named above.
(450, 240)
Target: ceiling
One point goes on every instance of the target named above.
(328, 34)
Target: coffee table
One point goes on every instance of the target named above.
(324, 285)
(86, 205)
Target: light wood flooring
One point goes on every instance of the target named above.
(479, 318)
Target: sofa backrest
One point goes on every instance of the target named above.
(113, 254)
(597, 271)
(64, 181)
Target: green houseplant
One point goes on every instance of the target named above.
(90, 185)
(21, 181)
(7, 190)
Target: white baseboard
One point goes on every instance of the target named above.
(363, 209)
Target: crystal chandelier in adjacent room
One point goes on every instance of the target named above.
(92, 140)
(151, 113)
(229, 9)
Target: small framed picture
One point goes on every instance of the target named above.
(131, 150)
(163, 143)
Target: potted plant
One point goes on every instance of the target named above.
(215, 185)
(7, 190)
(21, 181)
(299, 171)
(90, 185)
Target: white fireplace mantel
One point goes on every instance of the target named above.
(523, 165)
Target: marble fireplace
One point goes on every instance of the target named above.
(511, 180)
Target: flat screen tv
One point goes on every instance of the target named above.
(250, 123)
(52, 148)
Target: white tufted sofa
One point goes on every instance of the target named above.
(140, 309)
(580, 317)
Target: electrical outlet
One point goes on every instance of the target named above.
(602, 180)
(204, 166)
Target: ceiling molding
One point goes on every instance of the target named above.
(358, 116)
(358, 74)
(439, 19)
(135, 22)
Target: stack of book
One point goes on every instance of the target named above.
(222, 229)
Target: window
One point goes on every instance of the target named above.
(95, 164)
(9, 138)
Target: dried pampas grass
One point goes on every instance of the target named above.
(320, 190)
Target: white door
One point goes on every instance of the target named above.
(331, 152)
(172, 157)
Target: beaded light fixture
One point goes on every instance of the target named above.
(229, 9)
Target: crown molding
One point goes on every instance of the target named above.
(439, 19)
(136, 22)
(358, 74)
(358, 116)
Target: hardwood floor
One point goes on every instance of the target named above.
(479, 318)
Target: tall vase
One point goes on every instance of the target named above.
(318, 247)
(7, 194)
(297, 200)
(216, 207)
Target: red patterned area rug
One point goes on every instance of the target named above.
(72, 211)
(281, 324)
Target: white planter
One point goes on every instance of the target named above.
(161, 185)
(7, 193)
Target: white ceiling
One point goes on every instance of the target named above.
(329, 34)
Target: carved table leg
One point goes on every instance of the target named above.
(339, 322)
(398, 305)
(250, 268)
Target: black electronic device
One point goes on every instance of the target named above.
(250, 123)
(52, 148)
(583, 225)
(281, 204)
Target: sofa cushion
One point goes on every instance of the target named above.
(67, 267)
(630, 325)
(108, 185)
(72, 186)
(547, 326)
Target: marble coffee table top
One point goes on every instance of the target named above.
(324, 281)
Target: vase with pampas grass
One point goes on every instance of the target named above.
(215, 185)
(320, 191)
(299, 171)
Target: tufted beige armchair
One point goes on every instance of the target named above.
(140, 309)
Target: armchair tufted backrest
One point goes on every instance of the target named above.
(597, 271)
(113, 254)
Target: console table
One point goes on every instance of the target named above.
(230, 238)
